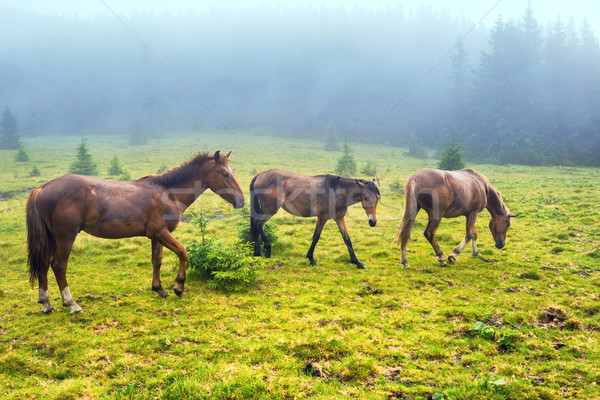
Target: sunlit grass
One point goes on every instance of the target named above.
(323, 332)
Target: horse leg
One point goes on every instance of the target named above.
(156, 264)
(341, 223)
(429, 233)
(165, 238)
(470, 234)
(260, 222)
(318, 229)
(59, 266)
(44, 298)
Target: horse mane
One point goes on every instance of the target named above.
(183, 173)
(332, 181)
(493, 196)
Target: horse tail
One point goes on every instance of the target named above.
(255, 211)
(40, 241)
(410, 213)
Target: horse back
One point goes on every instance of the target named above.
(449, 193)
(300, 195)
(104, 208)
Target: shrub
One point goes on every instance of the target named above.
(83, 164)
(369, 169)
(34, 171)
(162, 168)
(346, 165)
(244, 230)
(115, 168)
(451, 158)
(22, 156)
(229, 267)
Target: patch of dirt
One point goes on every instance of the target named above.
(313, 370)
(552, 317)
(101, 328)
(393, 373)
(487, 261)
(367, 290)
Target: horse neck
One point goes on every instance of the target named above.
(187, 189)
(494, 202)
(347, 187)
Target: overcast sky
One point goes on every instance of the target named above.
(544, 10)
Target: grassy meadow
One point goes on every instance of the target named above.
(518, 323)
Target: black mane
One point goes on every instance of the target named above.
(179, 175)
(332, 181)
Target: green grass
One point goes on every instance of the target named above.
(330, 331)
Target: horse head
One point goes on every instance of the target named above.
(499, 225)
(370, 197)
(221, 180)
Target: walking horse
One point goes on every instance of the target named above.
(323, 196)
(150, 206)
(451, 194)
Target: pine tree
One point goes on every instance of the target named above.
(34, 171)
(451, 158)
(346, 165)
(83, 164)
(22, 156)
(115, 168)
(9, 126)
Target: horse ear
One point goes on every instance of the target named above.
(217, 155)
(512, 215)
(360, 184)
(228, 154)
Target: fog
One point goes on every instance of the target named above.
(513, 83)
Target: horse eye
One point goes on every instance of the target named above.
(225, 175)
(366, 198)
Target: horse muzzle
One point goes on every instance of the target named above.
(500, 244)
(239, 203)
(372, 222)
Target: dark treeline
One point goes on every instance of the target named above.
(521, 91)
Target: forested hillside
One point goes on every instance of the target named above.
(513, 91)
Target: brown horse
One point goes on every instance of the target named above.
(150, 206)
(322, 196)
(449, 195)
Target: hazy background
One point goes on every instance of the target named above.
(523, 86)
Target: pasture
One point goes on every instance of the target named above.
(518, 323)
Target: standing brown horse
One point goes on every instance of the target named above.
(322, 196)
(449, 195)
(150, 206)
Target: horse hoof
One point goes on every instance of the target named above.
(313, 262)
(75, 309)
(405, 266)
(451, 259)
(162, 293)
(47, 310)
(360, 266)
(178, 293)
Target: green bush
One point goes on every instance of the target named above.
(369, 169)
(83, 164)
(244, 230)
(22, 156)
(451, 158)
(34, 171)
(115, 168)
(346, 165)
(228, 267)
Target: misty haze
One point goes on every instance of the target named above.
(514, 90)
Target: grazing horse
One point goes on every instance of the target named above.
(150, 206)
(450, 194)
(322, 196)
